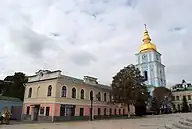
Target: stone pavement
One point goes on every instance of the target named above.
(148, 122)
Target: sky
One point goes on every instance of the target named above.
(93, 37)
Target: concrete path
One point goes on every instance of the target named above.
(148, 122)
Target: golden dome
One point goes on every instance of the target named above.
(147, 45)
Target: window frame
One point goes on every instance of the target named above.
(49, 92)
(30, 92)
(64, 91)
(74, 93)
(82, 94)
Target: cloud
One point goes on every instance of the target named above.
(29, 41)
(82, 58)
(95, 38)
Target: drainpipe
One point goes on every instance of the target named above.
(53, 111)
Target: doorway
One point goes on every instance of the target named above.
(35, 112)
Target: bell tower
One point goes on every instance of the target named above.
(149, 62)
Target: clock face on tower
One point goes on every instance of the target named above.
(157, 57)
(144, 58)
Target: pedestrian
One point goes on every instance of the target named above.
(2, 118)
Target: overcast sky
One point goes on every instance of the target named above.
(93, 37)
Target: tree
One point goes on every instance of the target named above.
(128, 85)
(15, 89)
(185, 107)
(174, 107)
(163, 96)
(141, 102)
(155, 105)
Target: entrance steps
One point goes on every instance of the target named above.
(181, 124)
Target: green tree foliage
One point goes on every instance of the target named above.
(16, 88)
(185, 107)
(128, 87)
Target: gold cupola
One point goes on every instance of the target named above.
(147, 45)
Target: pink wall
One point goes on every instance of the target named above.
(25, 108)
(56, 109)
(86, 110)
(43, 105)
(48, 105)
(95, 110)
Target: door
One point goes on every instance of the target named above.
(47, 111)
(35, 113)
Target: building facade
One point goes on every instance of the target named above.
(13, 105)
(179, 91)
(149, 63)
(51, 96)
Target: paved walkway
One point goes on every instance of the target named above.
(148, 122)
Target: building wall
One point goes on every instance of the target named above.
(13, 106)
(40, 90)
(178, 98)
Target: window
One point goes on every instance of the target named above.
(99, 96)
(177, 97)
(184, 97)
(110, 96)
(91, 95)
(115, 111)
(173, 98)
(30, 93)
(72, 109)
(82, 94)
(110, 111)
(119, 111)
(73, 93)
(47, 111)
(189, 97)
(49, 90)
(105, 96)
(105, 111)
(38, 91)
(67, 110)
(145, 75)
(28, 110)
(63, 91)
(42, 110)
(81, 111)
(62, 110)
(99, 111)
(123, 111)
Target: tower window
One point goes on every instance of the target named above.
(145, 75)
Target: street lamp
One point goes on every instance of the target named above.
(91, 112)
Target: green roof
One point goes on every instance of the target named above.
(181, 89)
(9, 98)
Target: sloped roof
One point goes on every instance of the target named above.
(10, 98)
